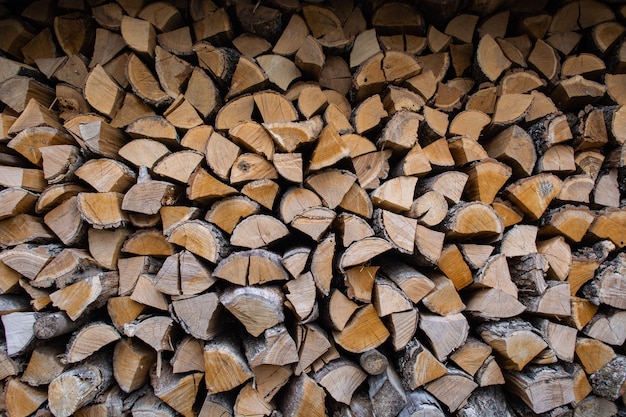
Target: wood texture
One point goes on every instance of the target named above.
(321, 208)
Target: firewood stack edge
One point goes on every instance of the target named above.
(325, 208)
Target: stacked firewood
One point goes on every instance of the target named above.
(291, 208)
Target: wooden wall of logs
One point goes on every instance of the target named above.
(325, 208)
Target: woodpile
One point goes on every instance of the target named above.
(291, 208)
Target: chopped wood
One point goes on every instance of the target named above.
(514, 341)
(322, 262)
(355, 339)
(264, 301)
(176, 390)
(418, 366)
(44, 365)
(359, 281)
(493, 303)
(87, 294)
(18, 328)
(22, 399)
(568, 95)
(402, 327)
(340, 378)
(78, 386)
(139, 35)
(305, 397)
(533, 194)
(386, 392)
(444, 333)
(452, 398)
(473, 220)
(123, 310)
(329, 199)
(373, 362)
(220, 354)
(542, 388)
(88, 340)
(609, 380)
(490, 58)
(102, 92)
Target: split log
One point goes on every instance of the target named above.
(386, 392)
(494, 303)
(275, 347)
(607, 326)
(340, 378)
(452, 398)
(355, 338)
(149, 404)
(18, 328)
(514, 341)
(304, 397)
(176, 390)
(22, 399)
(452, 264)
(131, 364)
(44, 365)
(609, 380)
(593, 354)
(418, 366)
(443, 299)
(444, 334)
(542, 388)
(78, 386)
(534, 194)
(155, 331)
(256, 266)
(257, 308)
(490, 401)
(348, 175)
(86, 294)
(188, 356)
(473, 221)
(201, 322)
(88, 340)
(413, 283)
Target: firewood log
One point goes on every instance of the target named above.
(176, 390)
(608, 380)
(444, 333)
(202, 323)
(352, 337)
(514, 340)
(131, 364)
(305, 397)
(155, 331)
(18, 326)
(418, 366)
(531, 385)
(78, 386)
(88, 293)
(88, 340)
(188, 356)
(361, 208)
(490, 400)
(44, 365)
(386, 392)
(22, 399)
(452, 399)
(264, 301)
(149, 404)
